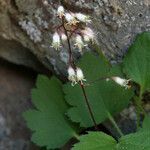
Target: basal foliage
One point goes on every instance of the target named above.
(52, 120)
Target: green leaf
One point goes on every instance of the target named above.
(146, 122)
(135, 141)
(95, 141)
(137, 61)
(48, 123)
(139, 140)
(101, 141)
(103, 96)
(93, 66)
(116, 70)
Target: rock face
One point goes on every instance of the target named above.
(15, 89)
(26, 28)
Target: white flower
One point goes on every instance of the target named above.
(56, 41)
(80, 76)
(63, 37)
(86, 38)
(45, 2)
(88, 34)
(75, 76)
(83, 18)
(72, 76)
(79, 43)
(60, 11)
(122, 82)
(70, 19)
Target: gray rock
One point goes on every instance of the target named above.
(30, 24)
(14, 52)
(15, 88)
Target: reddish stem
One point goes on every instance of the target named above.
(88, 105)
(71, 62)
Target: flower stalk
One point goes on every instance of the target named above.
(71, 63)
(75, 73)
(74, 24)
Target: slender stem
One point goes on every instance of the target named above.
(114, 124)
(71, 62)
(88, 105)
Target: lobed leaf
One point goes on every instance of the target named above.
(137, 61)
(101, 141)
(95, 141)
(103, 96)
(48, 122)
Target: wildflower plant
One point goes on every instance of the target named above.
(95, 92)
(74, 25)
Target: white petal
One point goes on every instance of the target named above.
(71, 71)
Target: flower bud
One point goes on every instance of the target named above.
(86, 38)
(88, 34)
(63, 37)
(72, 75)
(122, 82)
(80, 76)
(83, 18)
(79, 43)
(60, 11)
(70, 19)
(56, 41)
(45, 2)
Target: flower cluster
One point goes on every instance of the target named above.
(73, 26)
(76, 26)
(75, 75)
